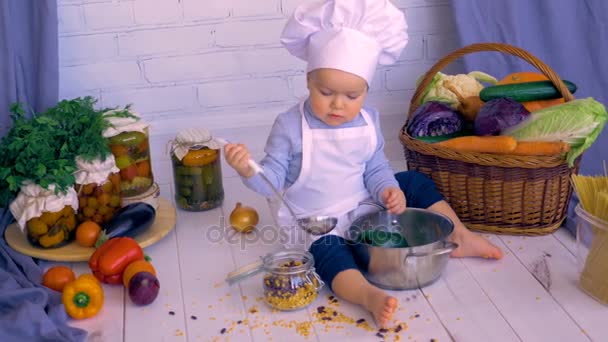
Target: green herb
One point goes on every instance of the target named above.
(43, 149)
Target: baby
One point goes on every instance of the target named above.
(327, 153)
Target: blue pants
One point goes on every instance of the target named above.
(333, 254)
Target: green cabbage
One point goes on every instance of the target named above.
(578, 122)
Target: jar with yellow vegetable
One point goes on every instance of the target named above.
(98, 189)
(130, 145)
(47, 218)
(197, 172)
(290, 281)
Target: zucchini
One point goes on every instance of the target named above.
(523, 92)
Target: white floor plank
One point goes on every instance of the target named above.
(590, 315)
(265, 324)
(522, 300)
(465, 309)
(566, 239)
(204, 261)
(137, 318)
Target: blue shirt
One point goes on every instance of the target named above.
(283, 159)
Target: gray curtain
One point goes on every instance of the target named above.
(571, 36)
(29, 63)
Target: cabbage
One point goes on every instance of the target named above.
(434, 119)
(498, 114)
(577, 122)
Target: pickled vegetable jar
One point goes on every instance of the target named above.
(130, 145)
(197, 170)
(48, 219)
(98, 188)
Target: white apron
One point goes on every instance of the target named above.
(330, 181)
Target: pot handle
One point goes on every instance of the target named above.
(448, 247)
(244, 272)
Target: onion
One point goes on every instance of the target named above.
(243, 218)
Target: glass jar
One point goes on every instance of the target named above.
(197, 171)
(130, 145)
(52, 229)
(47, 218)
(290, 281)
(98, 201)
(98, 188)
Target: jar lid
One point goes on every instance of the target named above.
(272, 262)
(120, 124)
(193, 138)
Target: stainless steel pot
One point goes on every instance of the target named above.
(402, 268)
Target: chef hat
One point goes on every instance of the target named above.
(348, 35)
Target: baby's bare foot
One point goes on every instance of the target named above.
(381, 305)
(473, 245)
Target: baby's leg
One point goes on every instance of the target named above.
(336, 265)
(469, 243)
(352, 286)
(420, 192)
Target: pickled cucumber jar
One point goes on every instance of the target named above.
(98, 188)
(48, 219)
(197, 172)
(130, 145)
(290, 281)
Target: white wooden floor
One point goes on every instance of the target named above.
(475, 300)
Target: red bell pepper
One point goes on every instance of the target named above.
(109, 260)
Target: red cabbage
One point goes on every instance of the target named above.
(434, 119)
(499, 114)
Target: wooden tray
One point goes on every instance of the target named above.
(163, 224)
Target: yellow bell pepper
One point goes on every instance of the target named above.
(199, 157)
(83, 297)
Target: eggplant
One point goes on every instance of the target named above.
(130, 220)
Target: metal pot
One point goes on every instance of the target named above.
(402, 268)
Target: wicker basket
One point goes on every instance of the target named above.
(520, 195)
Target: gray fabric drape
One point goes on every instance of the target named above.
(571, 36)
(29, 63)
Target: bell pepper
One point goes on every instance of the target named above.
(110, 260)
(199, 157)
(82, 297)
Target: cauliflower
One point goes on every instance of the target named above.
(466, 84)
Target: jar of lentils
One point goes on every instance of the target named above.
(290, 282)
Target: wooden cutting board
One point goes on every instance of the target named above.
(164, 222)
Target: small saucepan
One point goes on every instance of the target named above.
(405, 251)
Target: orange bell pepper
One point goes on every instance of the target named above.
(110, 260)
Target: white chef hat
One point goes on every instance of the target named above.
(349, 35)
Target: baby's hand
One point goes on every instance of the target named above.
(394, 200)
(237, 156)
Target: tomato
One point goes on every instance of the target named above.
(57, 277)
(135, 267)
(87, 233)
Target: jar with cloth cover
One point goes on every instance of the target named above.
(197, 172)
(130, 145)
(47, 217)
(98, 188)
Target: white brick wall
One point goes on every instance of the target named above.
(218, 63)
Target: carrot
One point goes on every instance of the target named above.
(501, 144)
(540, 148)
